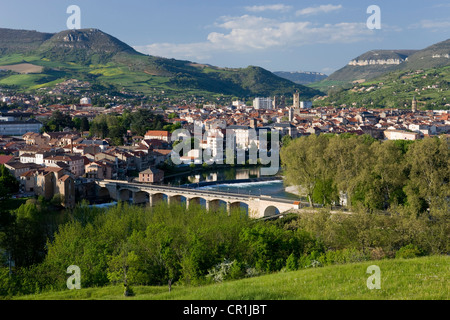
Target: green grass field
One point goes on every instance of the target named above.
(425, 278)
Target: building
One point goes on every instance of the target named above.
(99, 170)
(296, 101)
(215, 141)
(33, 138)
(241, 136)
(19, 128)
(5, 159)
(401, 135)
(48, 182)
(75, 164)
(85, 101)
(151, 175)
(305, 104)
(17, 168)
(262, 103)
(157, 135)
(414, 105)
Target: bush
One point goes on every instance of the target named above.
(221, 271)
(237, 270)
(409, 251)
(377, 254)
(292, 263)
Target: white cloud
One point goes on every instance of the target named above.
(187, 51)
(249, 33)
(434, 24)
(320, 9)
(271, 7)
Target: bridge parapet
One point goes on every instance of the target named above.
(258, 206)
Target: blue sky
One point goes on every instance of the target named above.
(277, 35)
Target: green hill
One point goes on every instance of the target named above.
(425, 278)
(94, 56)
(378, 63)
(434, 56)
(431, 87)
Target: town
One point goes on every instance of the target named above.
(62, 163)
(220, 151)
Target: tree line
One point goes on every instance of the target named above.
(407, 176)
(113, 126)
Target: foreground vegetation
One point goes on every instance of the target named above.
(143, 246)
(423, 278)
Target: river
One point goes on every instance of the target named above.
(273, 188)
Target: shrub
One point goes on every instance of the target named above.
(236, 271)
(292, 263)
(377, 254)
(409, 251)
(221, 271)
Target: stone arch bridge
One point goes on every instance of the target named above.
(140, 193)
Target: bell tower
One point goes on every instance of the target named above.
(414, 104)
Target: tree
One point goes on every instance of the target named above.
(8, 183)
(348, 161)
(304, 163)
(428, 162)
(58, 121)
(84, 125)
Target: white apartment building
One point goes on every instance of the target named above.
(37, 157)
(19, 128)
(305, 104)
(238, 103)
(214, 142)
(244, 136)
(262, 103)
(422, 128)
(401, 135)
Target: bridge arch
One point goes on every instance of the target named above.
(271, 211)
(141, 197)
(158, 197)
(216, 205)
(125, 195)
(238, 205)
(103, 194)
(177, 199)
(196, 201)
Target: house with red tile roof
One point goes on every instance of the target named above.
(157, 135)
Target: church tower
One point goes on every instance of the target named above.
(296, 102)
(414, 104)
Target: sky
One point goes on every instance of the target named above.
(289, 35)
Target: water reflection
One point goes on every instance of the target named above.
(217, 175)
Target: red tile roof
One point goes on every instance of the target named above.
(5, 159)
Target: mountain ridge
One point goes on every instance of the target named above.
(91, 54)
(375, 63)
